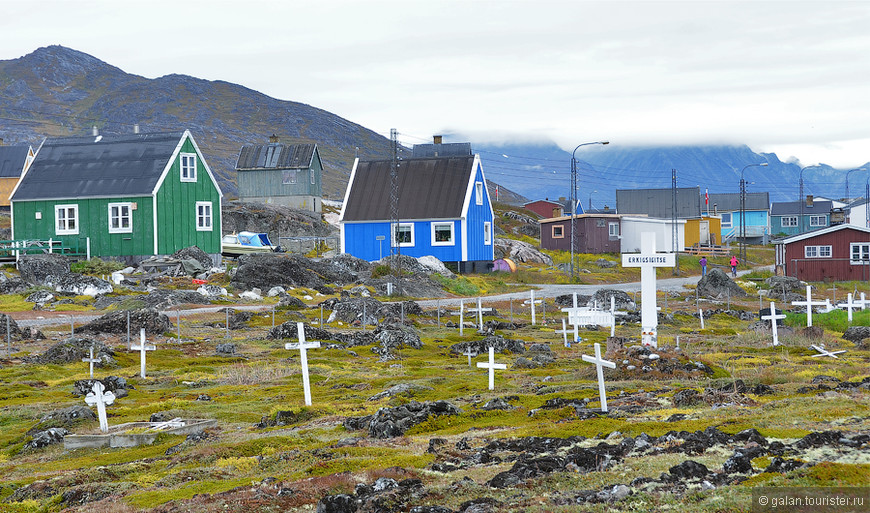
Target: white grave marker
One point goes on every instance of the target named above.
(850, 305)
(701, 316)
(824, 352)
(470, 354)
(599, 363)
(809, 303)
(648, 260)
(531, 302)
(302, 346)
(773, 317)
(97, 396)
(91, 361)
(142, 347)
(864, 302)
(479, 310)
(492, 366)
(564, 332)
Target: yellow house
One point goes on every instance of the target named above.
(14, 161)
(704, 231)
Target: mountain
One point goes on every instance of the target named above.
(57, 91)
(544, 171)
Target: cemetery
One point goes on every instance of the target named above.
(319, 392)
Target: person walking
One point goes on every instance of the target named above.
(703, 263)
(734, 263)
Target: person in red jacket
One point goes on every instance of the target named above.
(734, 263)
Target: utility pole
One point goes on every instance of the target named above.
(394, 209)
(675, 237)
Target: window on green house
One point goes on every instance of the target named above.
(120, 217)
(203, 216)
(188, 167)
(67, 219)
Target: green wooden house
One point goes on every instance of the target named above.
(127, 196)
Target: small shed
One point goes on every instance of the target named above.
(593, 233)
(545, 208)
(633, 227)
(281, 174)
(836, 253)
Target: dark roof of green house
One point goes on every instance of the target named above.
(12, 160)
(429, 188)
(98, 166)
(275, 156)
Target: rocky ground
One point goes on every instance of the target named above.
(400, 422)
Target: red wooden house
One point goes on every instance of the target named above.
(545, 208)
(836, 253)
(593, 233)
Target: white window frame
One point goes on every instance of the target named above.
(863, 253)
(410, 226)
(66, 230)
(610, 230)
(817, 251)
(478, 193)
(487, 233)
(208, 217)
(435, 226)
(187, 164)
(121, 216)
(311, 172)
(561, 231)
(821, 220)
(789, 221)
(726, 224)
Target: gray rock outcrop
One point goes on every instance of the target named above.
(154, 322)
(520, 251)
(35, 269)
(717, 285)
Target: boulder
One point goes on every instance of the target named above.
(73, 349)
(45, 438)
(162, 299)
(688, 469)
(778, 284)
(857, 333)
(114, 384)
(602, 297)
(154, 322)
(267, 270)
(12, 285)
(498, 342)
(351, 309)
(605, 264)
(79, 284)
(35, 269)
(717, 285)
(15, 332)
(65, 418)
(435, 266)
(210, 291)
(400, 389)
(194, 253)
(40, 298)
(398, 337)
(393, 422)
(519, 251)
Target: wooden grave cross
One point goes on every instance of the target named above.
(303, 346)
(91, 361)
(532, 302)
(773, 318)
(599, 364)
(564, 332)
(99, 397)
(479, 310)
(492, 366)
(824, 352)
(850, 305)
(809, 303)
(470, 354)
(142, 348)
(648, 259)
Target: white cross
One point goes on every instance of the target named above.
(174, 423)
(479, 311)
(492, 366)
(532, 303)
(461, 316)
(91, 361)
(701, 316)
(809, 303)
(648, 260)
(773, 317)
(864, 302)
(470, 354)
(302, 346)
(97, 397)
(599, 363)
(613, 313)
(824, 352)
(564, 332)
(142, 347)
(828, 307)
(849, 305)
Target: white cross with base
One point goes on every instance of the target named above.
(849, 305)
(599, 363)
(142, 347)
(492, 366)
(809, 303)
(302, 346)
(773, 317)
(824, 352)
(470, 354)
(479, 311)
(648, 260)
(97, 396)
(532, 302)
(91, 361)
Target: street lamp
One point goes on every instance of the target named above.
(590, 200)
(801, 199)
(743, 210)
(849, 198)
(574, 195)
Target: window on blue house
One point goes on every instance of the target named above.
(487, 233)
(442, 234)
(818, 221)
(403, 235)
(478, 193)
(726, 220)
(120, 217)
(789, 220)
(188, 167)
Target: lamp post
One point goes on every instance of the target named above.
(743, 210)
(801, 199)
(590, 200)
(849, 198)
(574, 195)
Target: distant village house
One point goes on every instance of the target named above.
(283, 174)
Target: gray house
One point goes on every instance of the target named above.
(281, 174)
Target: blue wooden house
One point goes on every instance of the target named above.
(444, 209)
(756, 209)
(795, 217)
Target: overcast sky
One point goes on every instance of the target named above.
(781, 76)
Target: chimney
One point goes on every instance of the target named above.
(809, 200)
(136, 128)
(562, 199)
(273, 139)
(436, 139)
(1, 141)
(95, 131)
